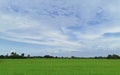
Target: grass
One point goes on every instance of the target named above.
(59, 67)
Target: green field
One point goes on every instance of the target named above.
(59, 67)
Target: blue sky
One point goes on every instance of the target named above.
(60, 27)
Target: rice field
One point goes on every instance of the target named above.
(59, 67)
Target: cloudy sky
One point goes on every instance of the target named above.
(60, 27)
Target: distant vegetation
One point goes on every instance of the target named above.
(14, 55)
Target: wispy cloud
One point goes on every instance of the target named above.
(79, 25)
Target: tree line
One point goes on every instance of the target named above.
(14, 55)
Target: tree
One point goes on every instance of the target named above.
(114, 56)
(48, 56)
(22, 55)
(14, 55)
(73, 57)
(28, 56)
(2, 56)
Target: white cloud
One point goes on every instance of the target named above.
(21, 29)
(48, 22)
